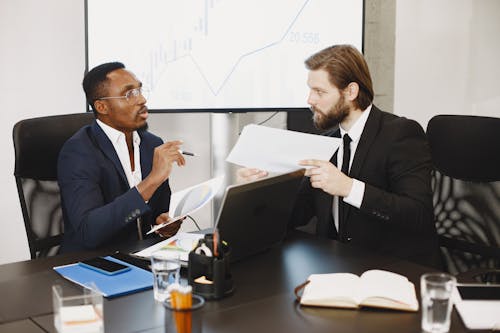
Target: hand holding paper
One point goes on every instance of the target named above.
(278, 150)
(244, 175)
(188, 201)
(167, 226)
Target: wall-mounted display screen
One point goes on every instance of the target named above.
(220, 55)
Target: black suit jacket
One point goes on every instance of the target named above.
(99, 208)
(396, 216)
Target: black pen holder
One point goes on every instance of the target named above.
(213, 266)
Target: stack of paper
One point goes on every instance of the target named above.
(182, 243)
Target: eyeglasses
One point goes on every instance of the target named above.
(132, 96)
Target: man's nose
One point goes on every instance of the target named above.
(310, 100)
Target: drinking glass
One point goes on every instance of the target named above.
(166, 267)
(436, 290)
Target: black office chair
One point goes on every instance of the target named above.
(37, 143)
(466, 156)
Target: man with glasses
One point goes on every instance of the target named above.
(113, 174)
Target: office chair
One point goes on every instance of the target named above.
(466, 181)
(37, 143)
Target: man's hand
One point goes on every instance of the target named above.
(164, 157)
(245, 175)
(324, 175)
(168, 230)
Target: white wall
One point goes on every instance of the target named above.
(41, 66)
(447, 55)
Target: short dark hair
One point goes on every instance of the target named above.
(94, 82)
(345, 64)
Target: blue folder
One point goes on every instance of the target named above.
(133, 280)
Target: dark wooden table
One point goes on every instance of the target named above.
(262, 302)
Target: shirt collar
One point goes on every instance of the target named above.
(115, 135)
(357, 129)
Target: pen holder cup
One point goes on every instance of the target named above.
(217, 282)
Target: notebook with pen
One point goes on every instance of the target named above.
(254, 216)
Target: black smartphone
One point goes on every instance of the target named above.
(104, 266)
(479, 292)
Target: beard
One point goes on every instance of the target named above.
(331, 118)
(143, 127)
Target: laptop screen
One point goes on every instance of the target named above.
(254, 216)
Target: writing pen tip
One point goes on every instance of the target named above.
(183, 152)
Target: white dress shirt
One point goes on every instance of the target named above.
(355, 197)
(117, 138)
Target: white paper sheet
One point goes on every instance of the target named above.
(476, 314)
(191, 199)
(482, 315)
(278, 150)
(182, 243)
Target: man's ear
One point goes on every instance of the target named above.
(101, 107)
(352, 91)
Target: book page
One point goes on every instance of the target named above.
(331, 290)
(388, 290)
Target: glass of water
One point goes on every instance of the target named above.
(436, 290)
(166, 268)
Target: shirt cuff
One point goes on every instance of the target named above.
(355, 197)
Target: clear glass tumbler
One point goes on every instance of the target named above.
(436, 290)
(166, 266)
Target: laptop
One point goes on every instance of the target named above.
(254, 216)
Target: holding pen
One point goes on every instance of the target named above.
(183, 152)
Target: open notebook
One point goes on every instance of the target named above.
(374, 288)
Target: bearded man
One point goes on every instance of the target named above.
(375, 192)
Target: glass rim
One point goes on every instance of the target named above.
(438, 278)
(165, 254)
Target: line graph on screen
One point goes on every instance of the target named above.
(220, 53)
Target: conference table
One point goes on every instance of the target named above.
(263, 300)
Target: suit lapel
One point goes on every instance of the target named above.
(146, 157)
(366, 140)
(107, 148)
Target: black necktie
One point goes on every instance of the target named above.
(347, 154)
(345, 170)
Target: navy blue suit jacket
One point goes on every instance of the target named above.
(99, 208)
